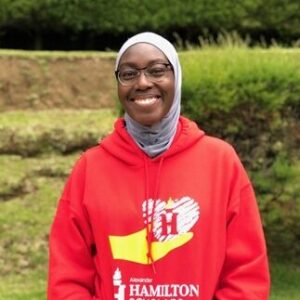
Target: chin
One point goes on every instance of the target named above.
(148, 121)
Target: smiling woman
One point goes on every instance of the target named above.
(146, 96)
(152, 99)
(155, 198)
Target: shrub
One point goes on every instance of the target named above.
(251, 98)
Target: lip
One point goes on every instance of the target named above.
(145, 100)
(138, 97)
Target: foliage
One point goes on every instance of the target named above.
(251, 99)
(190, 19)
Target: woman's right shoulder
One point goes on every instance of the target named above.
(89, 155)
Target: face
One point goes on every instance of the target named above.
(145, 101)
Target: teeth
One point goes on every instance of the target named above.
(146, 101)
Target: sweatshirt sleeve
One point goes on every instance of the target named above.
(245, 273)
(71, 267)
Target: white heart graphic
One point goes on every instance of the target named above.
(171, 218)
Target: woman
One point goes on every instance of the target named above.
(158, 210)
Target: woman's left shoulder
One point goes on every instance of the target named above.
(218, 145)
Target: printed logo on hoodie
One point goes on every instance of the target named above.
(144, 289)
(170, 223)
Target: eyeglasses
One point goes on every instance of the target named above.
(155, 72)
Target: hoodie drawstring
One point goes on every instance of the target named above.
(150, 212)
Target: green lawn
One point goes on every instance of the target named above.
(285, 281)
(30, 185)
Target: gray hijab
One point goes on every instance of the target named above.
(157, 138)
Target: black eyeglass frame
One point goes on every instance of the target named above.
(117, 72)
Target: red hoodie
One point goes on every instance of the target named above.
(181, 226)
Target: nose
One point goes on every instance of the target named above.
(143, 82)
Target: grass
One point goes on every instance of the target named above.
(25, 222)
(34, 132)
(55, 54)
(31, 286)
(285, 281)
(29, 191)
(54, 118)
(24, 225)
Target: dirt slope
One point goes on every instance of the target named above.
(37, 82)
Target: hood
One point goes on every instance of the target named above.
(122, 146)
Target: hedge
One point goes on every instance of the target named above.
(251, 98)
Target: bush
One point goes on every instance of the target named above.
(252, 98)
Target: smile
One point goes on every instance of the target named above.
(146, 101)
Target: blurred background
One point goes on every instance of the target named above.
(103, 25)
(241, 82)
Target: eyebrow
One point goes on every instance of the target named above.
(151, 62)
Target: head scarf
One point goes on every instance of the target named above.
(158, 137)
